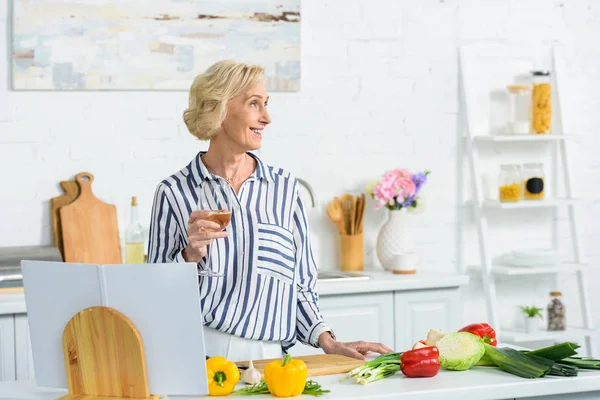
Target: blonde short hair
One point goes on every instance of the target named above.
(211, 91)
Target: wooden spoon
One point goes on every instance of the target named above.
(347, 208)
(362, 212)
(334, 211)
(360, 208)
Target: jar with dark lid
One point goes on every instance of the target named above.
(556, 313)
(533, 181)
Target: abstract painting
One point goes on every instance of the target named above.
(151, 44)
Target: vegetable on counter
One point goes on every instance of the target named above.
(311, 388)
(460, 351)
(423, 362)
(222, 375)
(484, 331)
(379, 368)
(518, 363)
(287, 378)
(434, 336)
(251, 375)
(556, 360)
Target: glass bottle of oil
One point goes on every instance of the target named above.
(134, 237)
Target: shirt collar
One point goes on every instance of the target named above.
(200, 173)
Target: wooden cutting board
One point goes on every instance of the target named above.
(89, 227)
(71, 189)
(104, 356)
(318, 365)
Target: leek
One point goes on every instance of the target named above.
(518, 363)
(556, 352)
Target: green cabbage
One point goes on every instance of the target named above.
(459, 351)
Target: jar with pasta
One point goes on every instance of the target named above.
(533, 181)
(541, 103)
(510, 183)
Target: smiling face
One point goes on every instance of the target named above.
(246, 119)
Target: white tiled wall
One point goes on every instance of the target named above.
(379, 90)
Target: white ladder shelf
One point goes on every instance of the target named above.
(480, 207)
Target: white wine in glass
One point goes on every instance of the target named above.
(219, 212)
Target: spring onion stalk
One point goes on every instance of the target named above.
(367, 368)
(378, 373)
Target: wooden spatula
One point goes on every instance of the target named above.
(71, 189)
(335, 213)
(89, 227)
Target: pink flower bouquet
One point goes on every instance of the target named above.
(397, 189)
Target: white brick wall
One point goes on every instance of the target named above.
(379, 82)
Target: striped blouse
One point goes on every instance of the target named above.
(267, 291)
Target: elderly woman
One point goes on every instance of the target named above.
(265, 299)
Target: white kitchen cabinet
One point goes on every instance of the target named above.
(368, 316)
(418, 311)
(7, 348)
(23, 355)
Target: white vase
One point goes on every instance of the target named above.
(531, 325)
(395, 248)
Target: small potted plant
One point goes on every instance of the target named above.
(531, 324)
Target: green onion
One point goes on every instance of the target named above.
(367, 368)
(378, 373)
(517, 363)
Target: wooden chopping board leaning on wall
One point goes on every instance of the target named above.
(90, 231)
(71, 189)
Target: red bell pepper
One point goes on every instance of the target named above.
(484, 331)
(420, 363)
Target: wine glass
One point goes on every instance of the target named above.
(216, 198)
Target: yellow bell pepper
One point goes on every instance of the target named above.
(287, 378)
(222, 374)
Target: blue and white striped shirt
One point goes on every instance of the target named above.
(268, 288)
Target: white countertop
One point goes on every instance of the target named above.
(385, 281)
(381, 281)
(479, 383)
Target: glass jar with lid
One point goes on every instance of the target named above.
(541, 103)
(556, 313)
(519, 109)
(533, 181)
(509, 180)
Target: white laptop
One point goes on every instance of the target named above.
(162, 301)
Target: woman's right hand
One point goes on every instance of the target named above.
(200, 233)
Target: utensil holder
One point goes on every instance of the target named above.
(352, 252)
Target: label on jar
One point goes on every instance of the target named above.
(535, 185)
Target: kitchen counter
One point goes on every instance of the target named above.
(379, 281)
(384, 281)
(479, 383)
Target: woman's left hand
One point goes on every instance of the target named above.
(357, 349)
